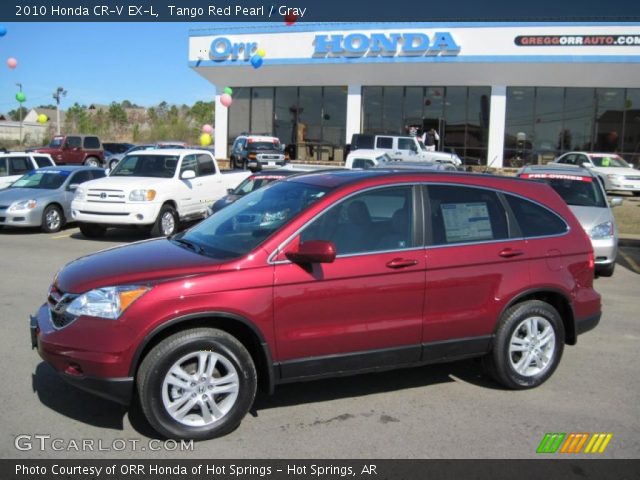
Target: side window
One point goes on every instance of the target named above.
(362, 163)
(374, 221)
(42, 161)
(466, 214)
(81, 177)
(73, 142)
(384, 142)
(3, 167)
(91, 143)
(568, 159)
(19, 165)
(580, 159)
(189, 163)
(535, 220)
(406, 144)
(205, 165)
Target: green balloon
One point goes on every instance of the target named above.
(20, 96)
(228, 90)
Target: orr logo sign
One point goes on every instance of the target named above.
(385, 45)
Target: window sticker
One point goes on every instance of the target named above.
(466, 221)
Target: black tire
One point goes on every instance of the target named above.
(605, 270)
(52, 219)
(92, 230)
(153, 371)
(92, 162)
(500, 361)
(158, 230)
(636, 194)
(112, 164)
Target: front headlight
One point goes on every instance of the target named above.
(142, 195)
(604, 230)
(80, 194)
(23, 206)
(108, 302)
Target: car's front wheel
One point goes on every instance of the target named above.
(166, 223)
(92, 230)
(52, 219)
(196, 384)
(528, 345)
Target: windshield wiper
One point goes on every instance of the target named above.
(193, 246)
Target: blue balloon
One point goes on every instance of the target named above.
(3, 30)
(256, 61)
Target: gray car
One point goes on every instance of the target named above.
(583, 190)
(42, 197)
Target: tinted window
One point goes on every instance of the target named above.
(205, 165)
(373, 221)
(73, 142)
(161, 166)
(574, 189)
(91, 143)
(535, 220)
(19, 165)
(406, 144)
(568, 159)
(81, 177)
(362, 163)
(466, 214)
(3, 167)
(384, 142)
(42, 161)
(189, 163)
(98, 173)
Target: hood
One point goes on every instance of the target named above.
(47, 150)
(138, 263)
(126, 183)
(10, 195)
(589, 217)
(617, 171)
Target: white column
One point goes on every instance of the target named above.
(221, 130)
(354, 110)
(497, 120)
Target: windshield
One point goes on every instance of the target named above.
(56, 142)
(42, 179)
(574, 189)
(254, 183)
(263, 146)
(159, 166)
(609, 161)
(239, 228)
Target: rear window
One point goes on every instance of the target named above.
(91, 143)
(575, 190)
(535, 220)
(19, 165)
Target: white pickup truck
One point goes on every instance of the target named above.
(152, 188)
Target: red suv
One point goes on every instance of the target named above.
(75, 150)
(326, 274)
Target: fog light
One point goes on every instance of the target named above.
(139, 216)
(74, 369)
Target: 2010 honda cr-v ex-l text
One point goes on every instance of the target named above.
(324, 274)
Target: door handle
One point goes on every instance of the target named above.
(401, 263)
(510, 252)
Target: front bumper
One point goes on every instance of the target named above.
(624, 185)
(81, 368)
(115, 214)
(28, 218)
(605, 250)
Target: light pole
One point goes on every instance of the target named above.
(19, 85)
(60, 91)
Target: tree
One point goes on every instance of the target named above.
(15, 114)
(202, 112)
(117, 115)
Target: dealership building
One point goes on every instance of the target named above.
(497, 93)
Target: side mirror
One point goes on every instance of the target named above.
(229, 191)
(615, 202)
(188, 175)
(73, 187)
(586, 164)
(314, 251)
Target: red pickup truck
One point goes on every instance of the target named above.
(75, 150)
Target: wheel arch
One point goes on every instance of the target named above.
(60, 207)
(558, 300)
(242, 329)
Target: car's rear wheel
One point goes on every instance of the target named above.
(52, 219)
(528, 345)
(605, 270)
(167, 222)
(92, 162)
(112, 164)
(196, 384)
(92, 230)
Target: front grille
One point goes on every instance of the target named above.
(105, 196)
(58, 303)
(634, 177)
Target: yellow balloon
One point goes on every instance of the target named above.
(42, 118)
(205, 140)
(261, 53)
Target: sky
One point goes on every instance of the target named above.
(145, 63)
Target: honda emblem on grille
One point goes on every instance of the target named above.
(103, 195)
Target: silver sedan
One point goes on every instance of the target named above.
(42, 198)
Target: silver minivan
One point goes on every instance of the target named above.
(585, 195)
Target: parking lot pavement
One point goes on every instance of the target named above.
(441, 411)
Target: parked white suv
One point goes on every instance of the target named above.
(153, 188)
(402, 147)
(15, 164)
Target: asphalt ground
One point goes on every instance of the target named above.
(439, 411)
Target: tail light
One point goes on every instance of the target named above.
(592, 261)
